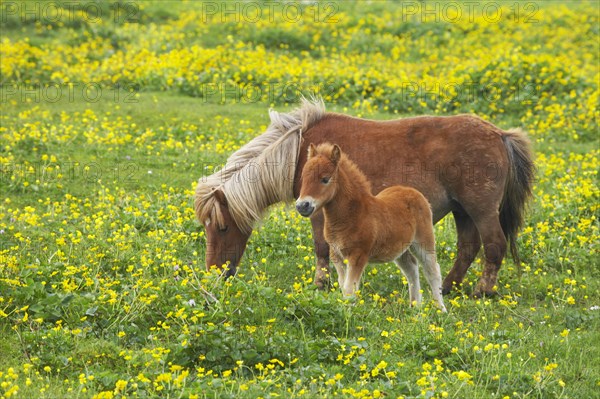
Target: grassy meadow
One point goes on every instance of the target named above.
(111, 111)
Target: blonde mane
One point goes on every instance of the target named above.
(260, 173)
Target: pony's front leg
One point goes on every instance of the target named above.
(323, 272)
(356, 265)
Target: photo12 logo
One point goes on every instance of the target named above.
(290, 92)
(269, 11)
(55, 172)
(53, 92)
(53, 12)
(468, 11)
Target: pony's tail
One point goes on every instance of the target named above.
(519, 187)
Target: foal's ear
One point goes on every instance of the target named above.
(336, 154)
(312, 150)
(220, 196)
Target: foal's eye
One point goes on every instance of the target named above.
(325, 180)
(223, 229)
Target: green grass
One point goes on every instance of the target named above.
(258, 316)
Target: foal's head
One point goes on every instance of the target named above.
(318, 178)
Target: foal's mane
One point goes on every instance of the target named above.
(261, 172)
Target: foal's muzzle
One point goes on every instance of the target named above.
(305, 208)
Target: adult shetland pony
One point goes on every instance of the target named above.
(361, 227)
(462, 164)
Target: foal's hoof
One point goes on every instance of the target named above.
(446, 290)
(484, 294)
(350, 299)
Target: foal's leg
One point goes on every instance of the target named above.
(357, 261)
(338, 262)
(431, 270)
(410, 269)
(424, 249)
(494, 247)
(323, 271)
(468, 245)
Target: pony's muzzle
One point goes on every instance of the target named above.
(304, 207)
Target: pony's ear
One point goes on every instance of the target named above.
(220, 196)
(336, 154)
(312, 150)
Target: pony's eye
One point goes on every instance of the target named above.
(325, 180)
(223, 229)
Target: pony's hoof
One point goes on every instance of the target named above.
(322, 285)
(449, 285)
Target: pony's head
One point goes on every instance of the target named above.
(225, 241)
(261, 173)
(319, 175)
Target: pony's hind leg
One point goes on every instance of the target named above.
(468, 246)
(425, 252)
(410, 269)
(494, 248)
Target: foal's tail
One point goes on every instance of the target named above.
(521, 175)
